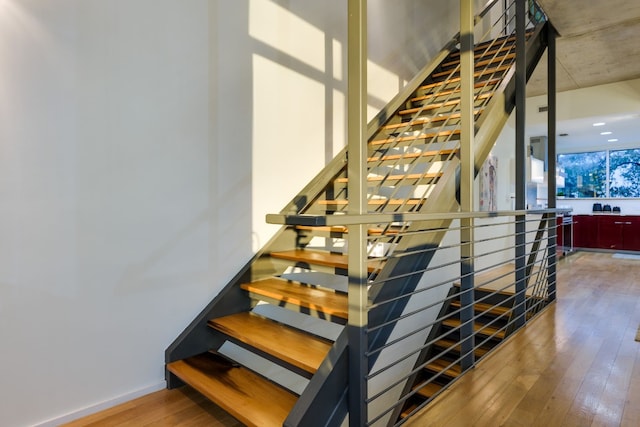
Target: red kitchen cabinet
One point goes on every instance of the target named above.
(559, 233)
(614, 232)
(631, 233)
(585, 231)
(610, 231)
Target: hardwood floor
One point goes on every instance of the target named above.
(577, 364)
(181, 407)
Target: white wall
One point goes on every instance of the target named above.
(577, 109)
(585, 206)
(106, 212)
(141, 144)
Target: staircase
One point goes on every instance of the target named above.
(271, 347)
(493, 316)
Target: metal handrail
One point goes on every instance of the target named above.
(404, 224)
(381, 217)
(533, 302)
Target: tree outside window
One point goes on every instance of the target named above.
(585, 174)
(624, 173)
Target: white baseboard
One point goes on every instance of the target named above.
(101, 406)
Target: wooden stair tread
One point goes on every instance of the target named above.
(325, 301)
(476, 74)
(478, 55)
(290, 345)
(445, 343)
(440, 104)
(485, 308)
(428, 390)
(500, 280)
(457, 79)
(442, 365)
(315, 257)
(237, 390)
(478, 328)
(478, 85)
(413, 176)
(409, 156)
(421, 120)
(503, 41)
(431, 135)
(483, 62)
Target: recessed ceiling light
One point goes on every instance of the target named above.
(599, 124)
(606, 133)
(612, 140)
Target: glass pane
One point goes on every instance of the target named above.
(624, 173)
(584, 174)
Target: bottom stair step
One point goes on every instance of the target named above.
(246, 396)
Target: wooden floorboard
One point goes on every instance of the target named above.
(576, 364)
(179, 407)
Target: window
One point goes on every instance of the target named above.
(600, 174)
(585, 174)
(624, 173)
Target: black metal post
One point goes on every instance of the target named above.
(521, 157)
(551, 154)
(467, 175)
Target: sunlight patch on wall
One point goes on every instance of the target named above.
(382, 86)
(339, 121)
(274, 25)
(289, 136)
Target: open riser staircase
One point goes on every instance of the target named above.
(271, 347)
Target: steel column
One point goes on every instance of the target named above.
(551, 154)
(467, 174)
(521, 157)
(357, 192)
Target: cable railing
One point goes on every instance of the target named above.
(423, 355)
(416, 336)
(418, 145)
